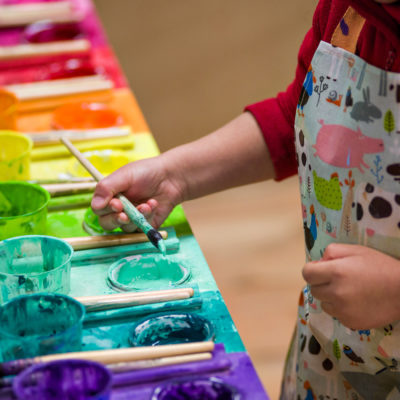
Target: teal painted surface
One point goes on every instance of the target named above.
(209, 305)
(110, 329)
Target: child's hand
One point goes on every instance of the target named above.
(357, 285)
(146, 184)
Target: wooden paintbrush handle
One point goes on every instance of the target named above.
(44, 49)
(110, 302)
(114, 356)
(94, 242)
(63, 189)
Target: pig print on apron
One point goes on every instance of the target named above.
(347, 136)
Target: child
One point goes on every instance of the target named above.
(345, 100)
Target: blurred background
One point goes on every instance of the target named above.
(193, 66)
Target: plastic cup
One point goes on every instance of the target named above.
(15, 151)
(147, 272)
(64, 380)
(196, 389)
(32, 264)
(171, 329)
(23, 209)
(40, 324)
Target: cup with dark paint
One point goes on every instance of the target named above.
(40, 324)
(171, 328)
(196, 389)
(15, 153)
(23, 209)
(33, 264)
(64, 380)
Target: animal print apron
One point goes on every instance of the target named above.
(347, 133)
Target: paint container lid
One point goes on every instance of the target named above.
(64, 380)
(171, 329)
(196, 389)
(147, 272)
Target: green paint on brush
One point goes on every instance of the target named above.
(140, 221)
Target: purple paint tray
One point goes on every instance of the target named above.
(228, 372)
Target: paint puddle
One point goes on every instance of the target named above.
(40, 324)
(86, 116)
(23, 209)
(147, 272)
(32, 264)
(197, 389)
(105, 161)
(62, 378)
(171, 329)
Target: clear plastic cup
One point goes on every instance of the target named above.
(15, 153)
(33, 264)
(40, 324)
(23, 209)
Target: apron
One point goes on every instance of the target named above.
(347, 136)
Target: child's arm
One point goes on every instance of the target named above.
(234, 155)
(357, 285)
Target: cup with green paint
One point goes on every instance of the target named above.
(23, 209)
(40, 324)
(33, 264)
(15, 154)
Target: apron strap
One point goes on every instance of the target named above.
(348, 30)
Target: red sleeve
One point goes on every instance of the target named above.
(275, 116)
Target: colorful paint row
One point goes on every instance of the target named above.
(65, 76)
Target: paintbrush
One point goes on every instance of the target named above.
(65, 189)
(115, 239)
(138, 372)
(135, 216)
(121, 300)
(111, 356)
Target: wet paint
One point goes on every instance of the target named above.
(32, 264)
(59, 380)
(86, 116)
(46, 31)
(65, 223)
(92, 225)
(147, 272)
(196, 389)
(105, 161)
(40, 324)
(171, 329)
(15, 153)
(23, 209)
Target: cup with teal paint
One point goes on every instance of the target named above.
(40, 324)
(33, 264)
(23, 209)
(15, 154)
(147, 272)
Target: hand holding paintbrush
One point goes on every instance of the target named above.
(134, 215)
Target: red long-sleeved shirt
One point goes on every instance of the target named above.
(378, 44)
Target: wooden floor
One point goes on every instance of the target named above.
(193, 65)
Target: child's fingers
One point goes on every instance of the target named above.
(317, 273)
(113, 220)
(114, 206)
(339, 250)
